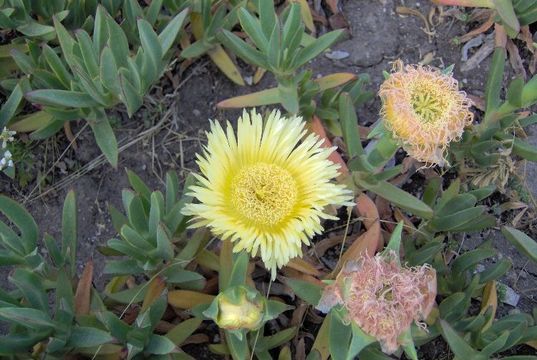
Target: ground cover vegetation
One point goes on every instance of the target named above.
(229, 260)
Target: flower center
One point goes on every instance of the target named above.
(263, 193)
(428, 103)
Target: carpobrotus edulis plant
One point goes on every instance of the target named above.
(265, 188)
(381, 297)
(424, 110)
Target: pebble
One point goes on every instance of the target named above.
(507, 295)
(337, 55)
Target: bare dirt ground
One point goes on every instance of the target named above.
(166, 133)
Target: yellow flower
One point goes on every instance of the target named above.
(265, 189)
(425, 110)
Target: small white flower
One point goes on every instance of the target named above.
(7, 136)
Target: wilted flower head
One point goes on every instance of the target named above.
(382, 297)
(425, 110)
(265, 189)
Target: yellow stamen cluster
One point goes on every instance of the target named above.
(425, 110)
(263, 193)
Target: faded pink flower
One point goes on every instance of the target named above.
(382, 297)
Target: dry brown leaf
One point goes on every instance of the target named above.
(315, 317)
(322, 246)
(292, 273)
(298, 314)
(364, 131)
(427, 58)
(526, 36)
(403, 10)
(410, 165)
(500, 35)
(131, 314)
(163, 327)
(481, 29)
(385, 212)
(83, 290)
(399, 216)
(303, 266)
(338, 21)
(69, 134)
(515, 59)
(478, 102)
(258, 75)
(196, 339)
(490, 299)
(154, 290)
(512, 205)
(318, 18)
(333, 6)
(300, 350)
(480, 15)
(533, 63)
(367, 210)
(187, 299)
(368, 242)
(518, 217)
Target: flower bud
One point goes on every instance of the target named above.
(239, 308)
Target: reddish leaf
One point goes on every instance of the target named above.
(303, 266)
(368, 242)
(154, 291)
(385, 212)
(338, 21)
(83, 290)
(295, 274)
(323, 245)
(186, 299)
(481, 29)
(316, 126)
(333, 5)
